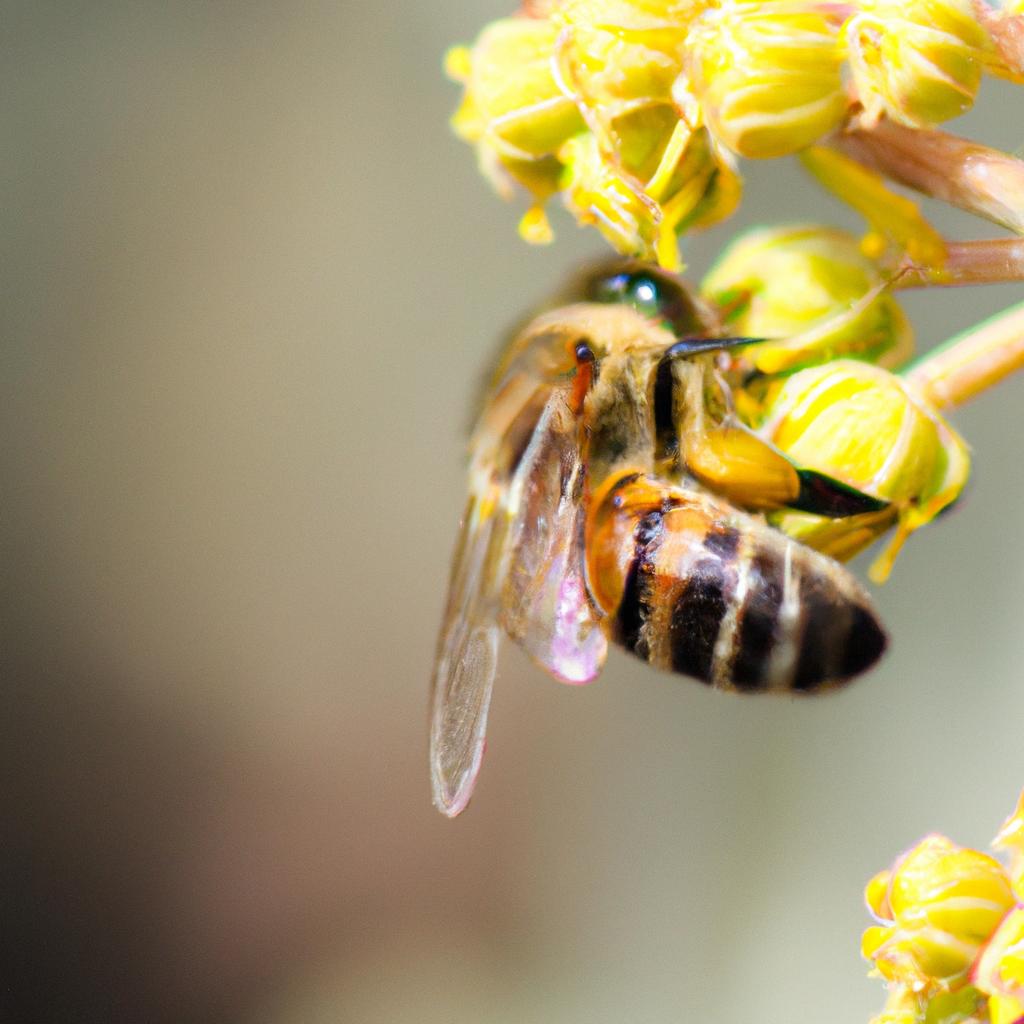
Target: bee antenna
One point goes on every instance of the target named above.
(585, 360)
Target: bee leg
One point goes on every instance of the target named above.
(736, 464)
(824, 495)
(733, 461)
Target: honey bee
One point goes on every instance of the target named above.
(613, 496)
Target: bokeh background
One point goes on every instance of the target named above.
(249, 283)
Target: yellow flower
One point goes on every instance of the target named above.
(514, 112)
(643, 174)
(620, 60)
(917, 61)
(512, 98)
(939, 904)
(864, 426)
(811, 287)
(901, 1007)
(693, 186)
(618, 54)
(905, 1006)
(767, 76)
(597, 195)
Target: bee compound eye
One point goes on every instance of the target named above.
(636, 288)
(653, 293)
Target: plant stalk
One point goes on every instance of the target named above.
(972, 362)
(983, 181)
(992, 261)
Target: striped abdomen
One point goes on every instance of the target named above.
(699, 588)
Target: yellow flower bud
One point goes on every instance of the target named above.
(905, 1006)
(514, 112)
(620, 59)
(693, 185)
(812, 287)
(940, 906)
(876, 895)
(619, 52)
(767, 77)
(1000, 968)
(849, 417)
(964, 1006)
(902, 1006)
(917, 61)
(597, 195)
(866, 427)
(961, 891)
(512, 99)
(1011, 839)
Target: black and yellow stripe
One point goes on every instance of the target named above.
(711, 593)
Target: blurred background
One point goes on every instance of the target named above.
(249, 285)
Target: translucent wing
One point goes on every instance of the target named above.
(545, 606)
(519, 565)
(467, 654)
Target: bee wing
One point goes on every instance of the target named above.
(519, 563)
(546, 608)
(467, 655)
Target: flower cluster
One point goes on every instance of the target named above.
(950, 937)
(634, 111)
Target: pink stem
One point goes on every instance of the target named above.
(980, 180)
(992, 261)
(1006, 31)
